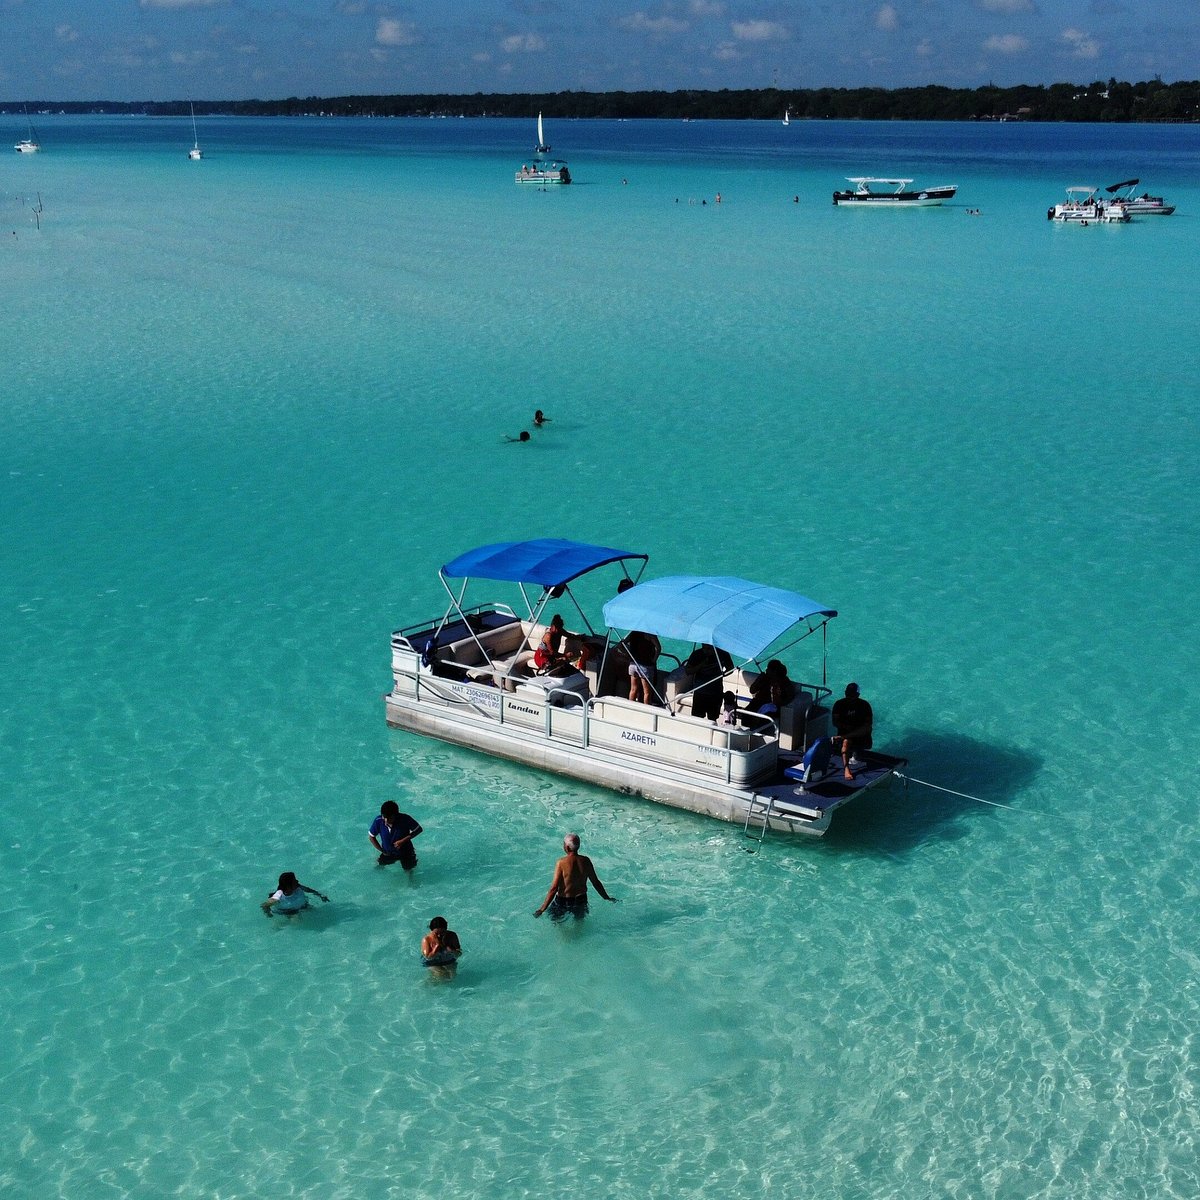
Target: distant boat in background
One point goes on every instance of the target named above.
(1083, 207)
(30, 144)
(195, 153)
(1143, 205)
(865, 194)
(545, 170)
(787, 116)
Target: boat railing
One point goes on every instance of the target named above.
(613, 723)
(413, 637)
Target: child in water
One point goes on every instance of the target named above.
(440, 947)
(290, 896)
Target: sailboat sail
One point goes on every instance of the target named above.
(195, 153)
(542, 148)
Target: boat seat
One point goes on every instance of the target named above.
(816, 763)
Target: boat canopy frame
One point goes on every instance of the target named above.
(742, 618)
(550, 564)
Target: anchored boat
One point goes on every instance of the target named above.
(496, 676)
(1144, 205)
(195, 153)
(30, 144)
(867, 192)
(544, 169)
(1084, 207)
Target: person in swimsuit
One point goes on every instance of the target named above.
(290, 896)
(643, 650)
(548, 655)
(440, 947)
(568, 894)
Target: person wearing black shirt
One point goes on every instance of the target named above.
(852, 718)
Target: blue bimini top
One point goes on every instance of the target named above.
(732, 614)
(545, 561)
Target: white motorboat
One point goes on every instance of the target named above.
(471, 677)
(1083, 207)
(544, 169)
(30, 144)
(1144, 205)
(873, 191)
(195, 153)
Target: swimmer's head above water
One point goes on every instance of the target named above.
(571, 842)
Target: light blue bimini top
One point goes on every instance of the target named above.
(548, 562)
(732, 614)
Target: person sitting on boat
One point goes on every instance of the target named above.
(568, 894)
(728, 709)
(706, 665)
(853, 721)
(771, 690)
(440, 947)
(548, 654)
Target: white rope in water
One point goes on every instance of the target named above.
(950, 791)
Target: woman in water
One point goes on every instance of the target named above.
(290, 896)
(440, 947)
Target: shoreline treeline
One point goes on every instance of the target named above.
(1113, 100)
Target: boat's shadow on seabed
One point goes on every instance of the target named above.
(896, 819)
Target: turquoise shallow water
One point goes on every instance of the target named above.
(250, 405)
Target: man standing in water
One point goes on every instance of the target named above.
(392, 833)
(568, 890)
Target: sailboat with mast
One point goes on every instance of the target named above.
(195, 153)
(787, 116)
(544, 169)
(28, 145)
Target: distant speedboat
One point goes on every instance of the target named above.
(195, 153)
(544, 169)
(1143, 205)
(28, 145)
(867, 193)
(1083, 207)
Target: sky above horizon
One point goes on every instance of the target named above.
(273, 49)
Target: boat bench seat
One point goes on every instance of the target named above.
(792, 719)
(466, 652)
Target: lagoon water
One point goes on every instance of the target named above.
(249, 405)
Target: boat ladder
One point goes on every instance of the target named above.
(761, 809)
(759, 812)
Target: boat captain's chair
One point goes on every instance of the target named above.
(816, 763)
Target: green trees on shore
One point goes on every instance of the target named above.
(1152, 100)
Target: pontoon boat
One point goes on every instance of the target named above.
(1084, 207)
(471, 677)
(1144, 205)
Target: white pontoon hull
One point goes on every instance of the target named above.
(631, 748)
